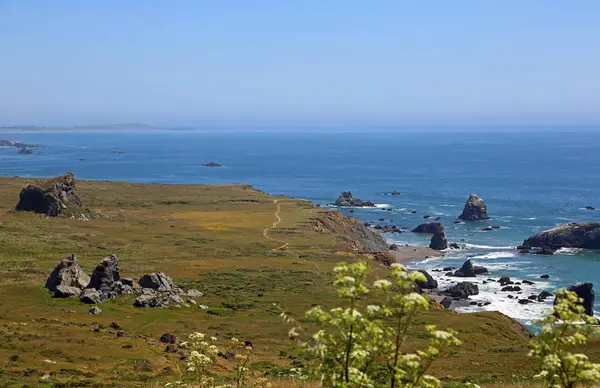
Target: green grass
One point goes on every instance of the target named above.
(206, 237)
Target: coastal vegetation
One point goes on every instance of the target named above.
(252, 256)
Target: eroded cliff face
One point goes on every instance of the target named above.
(352, 232)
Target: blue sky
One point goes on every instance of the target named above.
(391, 63)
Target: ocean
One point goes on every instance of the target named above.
(529, 181)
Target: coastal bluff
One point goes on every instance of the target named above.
(354, 234)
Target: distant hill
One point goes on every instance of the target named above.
(107, 127)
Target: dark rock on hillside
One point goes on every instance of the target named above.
(466, 270)
(585, 235)
(353, 233)
(475, 209)
(55, 197)
(67, 279)
(585, 292)
(157, 281)
(428, 227)
(429, 284)
(168, 338)
(438, 240)
(446, 302)
(106, 282)
(462, 290)
(346, 199)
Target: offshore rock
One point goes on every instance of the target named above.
(475, 209)
(585, 235)
(346, 200)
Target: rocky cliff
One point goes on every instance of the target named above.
(54, 197)
(354, 234)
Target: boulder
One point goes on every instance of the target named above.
(511, 289)
(544, 294)
(193, 293)
(54, 197)
(385, 258)
(66, 291)
(428, 227)
(479, 269)
(94, 311)
(446, 302)
(346, 200)
(157, 281)
(545, 277)
(429, 284)
(585, 292)
(475, 209)
(590, 208)
(105, 274)
(525, 301)
(168, 338)
(504, 280)
(67, 278)
(394, 247)
(585, 235)
(462, 290)
(91, 296)
(454, 246)
(147, 300)
(466, 270)
(438, 240)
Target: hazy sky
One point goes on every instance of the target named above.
(177, 62)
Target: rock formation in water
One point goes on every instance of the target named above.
(467, 270)
(67, 279)
(585, 235)
(462, 290)
(16, 144)
(428, 227)
(438, 240)
(474, 209)
(54, 197)
(347, 200)
(585, 292)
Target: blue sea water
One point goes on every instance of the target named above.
(530, 182)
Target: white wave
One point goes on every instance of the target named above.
(570, 251)
(380, 205)
(447, 205)
(532, 218)
(496, 255)
(486, 246)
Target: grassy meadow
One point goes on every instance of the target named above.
(245, 250)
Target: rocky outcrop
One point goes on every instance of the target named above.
(475, 209)
(55, 197)
(479, 269)
(105, 282)
(438, 240)
(462, 290)
(586, 293)
(347, 200)
(67, 279)
(211, 164)
(467, 270)
(428, 227)
(585, 235)
(351, 232)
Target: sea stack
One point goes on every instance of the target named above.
(438, 240)
(474, 209)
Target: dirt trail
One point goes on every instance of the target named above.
(266, 230)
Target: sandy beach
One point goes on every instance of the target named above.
(407, 253)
